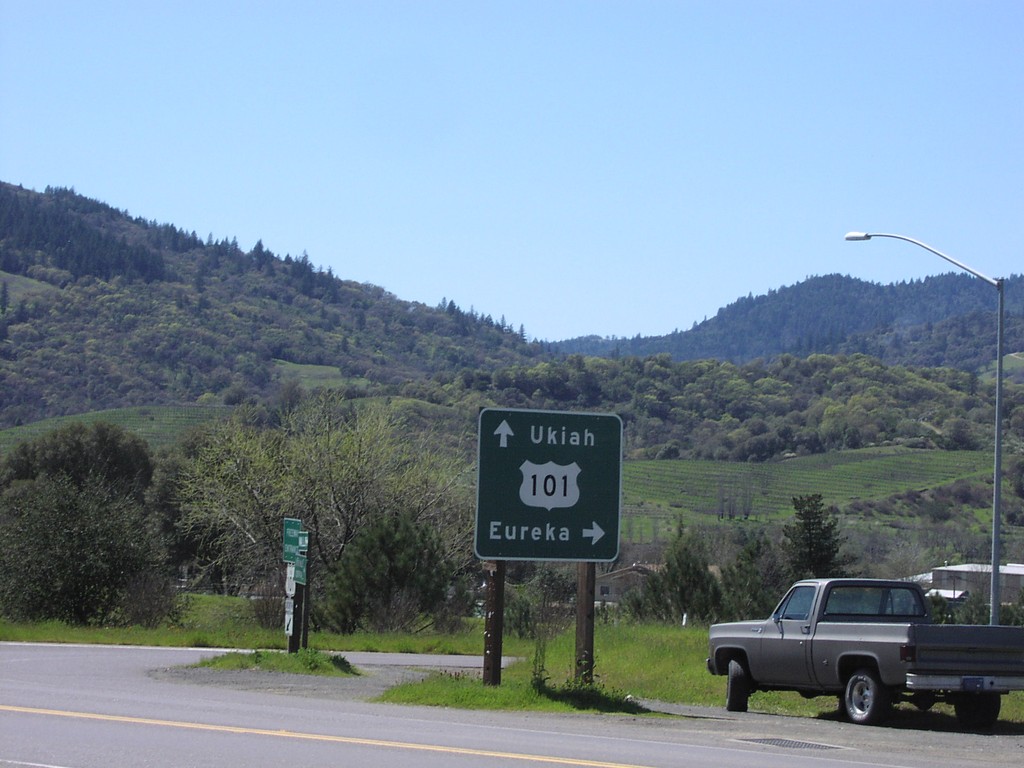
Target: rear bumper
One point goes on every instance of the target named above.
(967, 683)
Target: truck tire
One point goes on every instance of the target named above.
(977, 711)
(866, 700)
(737, 688)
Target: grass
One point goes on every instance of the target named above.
(517, 692)
(163, 426)
(218, 621)
(465, 644)
(621, 675)
(658, 495)
(306, 662)
(20, 287)
(314, 376)
(703, 488)
(159, 426)
(634, 661)
(641, 661)
(205, 621)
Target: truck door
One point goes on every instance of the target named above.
(785, 644)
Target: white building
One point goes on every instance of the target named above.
(952, 581)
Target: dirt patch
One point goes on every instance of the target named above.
(370, 683)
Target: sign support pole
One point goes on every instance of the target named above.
(586, 576)
(295, 638)
(296, 542)
(494, 622)
(306, 600)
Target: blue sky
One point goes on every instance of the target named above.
(607, 168)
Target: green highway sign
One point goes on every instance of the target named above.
(549, 485)
(292, 529)
(300, 569)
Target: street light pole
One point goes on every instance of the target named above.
(997, 472)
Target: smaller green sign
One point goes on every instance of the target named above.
(292, 529)
(300, 569)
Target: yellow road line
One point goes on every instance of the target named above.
(318, 737)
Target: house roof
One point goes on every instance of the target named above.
(636, 568)
(1016, 569)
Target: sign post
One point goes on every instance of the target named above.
(289, 580)
(289, 617)
(549, 487)
(586, 577)
(494, 622)
(296, 542)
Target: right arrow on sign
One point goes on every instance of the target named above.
(594, 534)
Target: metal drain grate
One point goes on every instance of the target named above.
(788, 743)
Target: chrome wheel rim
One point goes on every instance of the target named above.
(860, 698)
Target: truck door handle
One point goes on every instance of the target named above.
(757, 630)
(806, 629)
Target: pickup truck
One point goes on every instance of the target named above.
(872, 643)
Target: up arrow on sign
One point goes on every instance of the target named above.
(504, 432)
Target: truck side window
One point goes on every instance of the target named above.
(904, 602)
(863, 602)
(853, 601)
(798, 606)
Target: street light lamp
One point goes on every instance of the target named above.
(997, 472)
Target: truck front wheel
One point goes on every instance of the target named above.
(737, 688)
(866, 700)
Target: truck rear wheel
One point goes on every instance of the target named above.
(737, 688)
(977, 711)
(866, 700)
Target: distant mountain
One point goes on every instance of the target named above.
(947, 320)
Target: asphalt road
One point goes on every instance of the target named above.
(89, 706)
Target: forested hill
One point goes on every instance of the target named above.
(101, 310)
(947, 320)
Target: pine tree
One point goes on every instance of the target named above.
(685, 589)
(813, 540)
(752, 583)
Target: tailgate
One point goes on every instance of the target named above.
(968, 650)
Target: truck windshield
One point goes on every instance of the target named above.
(874, 601)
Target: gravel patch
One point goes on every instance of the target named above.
(370, 683)
(377, 673)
